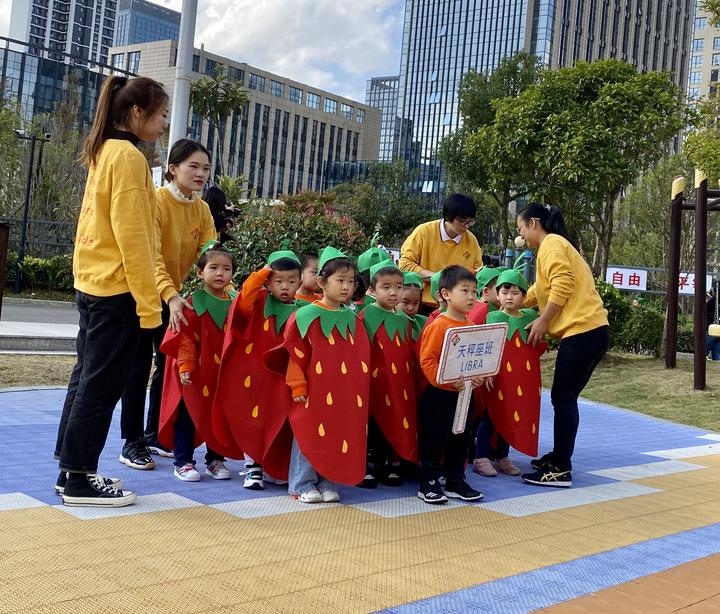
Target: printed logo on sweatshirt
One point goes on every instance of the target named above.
(466, 255)
(195, 233)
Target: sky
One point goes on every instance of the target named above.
(328, 44)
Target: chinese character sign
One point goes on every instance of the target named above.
(686, 283)
(471, 350)
(627, 279)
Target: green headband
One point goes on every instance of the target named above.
(327, 254)
(512, 277)
(385, 264)
(411, 278)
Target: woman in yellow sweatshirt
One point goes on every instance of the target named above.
(114, 281)
(183, 224)
(572, 311)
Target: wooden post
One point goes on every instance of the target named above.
(700, 270)
(4, 239)
(678, 188)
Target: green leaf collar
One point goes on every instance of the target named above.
(218, 308)
(376, 316)
(341, 319)
(281, 311)
(515, 323)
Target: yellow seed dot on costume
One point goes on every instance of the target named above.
(255, 411)
(407, 366)
(387, 400)
(206, 392)
(299, 353)
(344, 447)
(363, 366)
(533, 428)
(381, 345)
(393, 367)
(331, 339)
(375, 373)
(359, 400)
(406, 424)
(225, 327)
(197, 337)
(397, 340)
(318, 368)
(405, 395)
(508, 366)
(266, 325)
(217, 359)
(343, 368)
(248, 348)
(321, 430)
(528, 366)
(519, 391)
(247, 382)
(351, 338)
(516, 416)
(517, 342)
(500, 395)
(307, 403)
(329, 399)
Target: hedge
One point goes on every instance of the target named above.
(42, 273)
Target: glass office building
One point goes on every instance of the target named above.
(382, 93)
(139, 21)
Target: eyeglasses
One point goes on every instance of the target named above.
(464, 221)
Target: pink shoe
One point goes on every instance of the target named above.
(505, 465)
(483, 466)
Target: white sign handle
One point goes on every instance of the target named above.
(461, 409)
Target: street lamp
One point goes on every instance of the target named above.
(33, 138)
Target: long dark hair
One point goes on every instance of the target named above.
(549, 217)
(118, 96)
(181, 151)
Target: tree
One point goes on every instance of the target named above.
(216, 98)
(13, 161)
(713, 8)
(579, 137)
(702, 144)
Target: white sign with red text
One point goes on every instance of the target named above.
(626, 278)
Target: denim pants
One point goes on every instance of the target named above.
(106, 344)
(184, 441)
(302, 477)
(133, 398)
(576, 360)
(713, 347)
(484, 436)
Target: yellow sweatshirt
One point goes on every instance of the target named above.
(182, 228)
(425, 249)
(115, 241)
(564, 278)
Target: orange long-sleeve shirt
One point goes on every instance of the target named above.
(431, 342)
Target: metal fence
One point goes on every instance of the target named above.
(45, 238)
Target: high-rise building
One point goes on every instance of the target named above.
(444, 39)
(704, 58)
(83, 29)
(382, 93)
(140, 21)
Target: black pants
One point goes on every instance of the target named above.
(576, 360)
(184, 444)
(106, 344)
(133, 398)
(484, 437)
(441, 452)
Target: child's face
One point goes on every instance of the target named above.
(388, 290)
(192, 173)
(490, 295)
(462, 297)
(338, 288)
(308, 279)
(284, 284)
(410, 301)
(217, 273)
(512, 298)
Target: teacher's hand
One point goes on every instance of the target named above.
(176, 304)
(537, 329)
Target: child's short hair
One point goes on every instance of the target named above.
(362, 280)
(286, 264)
(215, 250)
(335, 265)
(453, 275)
(306, 259)
(388, 270)
(509, 286)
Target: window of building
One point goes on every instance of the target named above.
(698, 44)
(236, 74)
(118, 61)
(312, 100)
(693, 92)
(346, 111)
(716, 59)
(695, 76)
(360, 116)
(134, 61)
(277, 88)
(716, 42)
(714, 75)
(700, 23)
(295, 94)
(196, 63)
(257, 82)
(433, 98)
(442, 31)
(696, 61)
(210, 67)
(330, 106)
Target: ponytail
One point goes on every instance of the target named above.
(549, 217)
(118, 95)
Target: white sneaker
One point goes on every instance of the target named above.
(271, 480)
(330, 496)
(217, 470)
(254, 479)
(187, 473)
(310, 496)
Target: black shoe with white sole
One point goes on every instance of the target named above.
(115, 483)
(460, 489)
(91, 491)
(431, 492)
(135, 455)
(539, 463)
(549, 475)
(155, 447)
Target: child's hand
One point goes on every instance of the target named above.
(267, 267)
(301, 399)
(489, 383)
(185, 378)
(477, 381)
(459, 384)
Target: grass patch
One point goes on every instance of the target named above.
(35, 370)
(644, 385)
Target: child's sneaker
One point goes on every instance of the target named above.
(115, 483)
(187, 473)
(217, 470)
(431, 492)
(369, 481)
(330, 496)
(549, 475)
(505, 465)
(460, 489)
(155, 447)
(309, 496)
(90, 491)
(483, 467)
(254, 478)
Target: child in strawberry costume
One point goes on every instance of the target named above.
(365, 261)
(309, 291)
(514, 402)
(252, 400)
(411, 300)
(191, 371)
(325, 357)
(392, 425)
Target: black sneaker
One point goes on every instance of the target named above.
(549, 476)
(390, 477)
(155, 447)
(90, 491)
(115, 483)
(369, 481)
(135, 455)
(460, 489)
(539, 463)
(431, 492)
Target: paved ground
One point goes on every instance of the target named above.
(646, 501)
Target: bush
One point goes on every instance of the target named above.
(42, 273)
(685, 335)
(617, 305)
(642, 332)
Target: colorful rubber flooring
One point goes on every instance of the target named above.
(646, 500)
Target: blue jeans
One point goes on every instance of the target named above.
(184, 439)
(713, 347)
(484, 436)
(302, 477)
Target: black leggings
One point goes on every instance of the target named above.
(577, 358)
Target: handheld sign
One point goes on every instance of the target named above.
(469, 351)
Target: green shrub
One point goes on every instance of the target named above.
(642, 332)
(53, 273)
(685, 335)
(617, 305)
